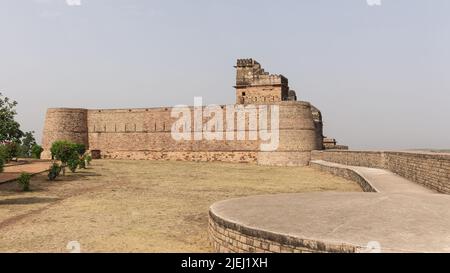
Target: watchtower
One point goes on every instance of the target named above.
(256, 86)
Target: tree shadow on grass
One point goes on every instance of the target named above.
(27, 200)
(78, 176)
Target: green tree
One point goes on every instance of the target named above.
(66, 152)
(3, 155)
(80, 148)
(9, 128)
(28, 142)
(2, 164)
(36, 151)
(11, 150)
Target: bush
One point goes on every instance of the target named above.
(82, 163)
(88, 159)
(28, 142)
(54, 172)
(80, 149)
(2, 157)
(66, 151)
(73, 164)
(36, 151)
(8, 151)
(3, 151)
(24, 181)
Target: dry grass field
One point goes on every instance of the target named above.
(139, 206)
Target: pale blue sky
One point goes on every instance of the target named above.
(380, 75)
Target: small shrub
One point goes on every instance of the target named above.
(65, 151)
(2, 164)
(54, 172)
(88, 159)
(79, 148)
(82, 163)
(24, 181)
(36, 151)
(73, 164)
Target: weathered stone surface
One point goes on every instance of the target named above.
(146, 133)
(332, 222)
(428, 169)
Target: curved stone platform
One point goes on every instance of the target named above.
(332, 222)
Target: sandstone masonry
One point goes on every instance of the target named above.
(145, 134)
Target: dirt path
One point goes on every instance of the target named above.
(139, 206)
(14, 171)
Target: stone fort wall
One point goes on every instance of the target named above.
(429, 169)
(146, 134)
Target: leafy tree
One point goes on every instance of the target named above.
(68, 153)
(28, 142)
(80, 148)
(54, 172)
(36, 151)
(73, 164)
(9, 128)
(10, 150)
(3, 157)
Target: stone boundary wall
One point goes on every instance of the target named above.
(146, 134)
(353, 158)
(228, 237)
(428, 169)
(346, 174)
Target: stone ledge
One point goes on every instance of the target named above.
(346, 173)
(331, 222)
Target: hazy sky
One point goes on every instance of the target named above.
(380, 74)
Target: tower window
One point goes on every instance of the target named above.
(243, 94)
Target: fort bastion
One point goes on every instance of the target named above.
(145, 134)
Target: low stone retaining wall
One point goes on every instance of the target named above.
(345, 173)
(352, 158)
(428, 169)
(229, 237)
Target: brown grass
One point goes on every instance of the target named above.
(139, 206)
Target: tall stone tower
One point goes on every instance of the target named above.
(64, 124)
(256, 86)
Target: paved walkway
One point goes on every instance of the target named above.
(383, 181)
(401, 216)
(13, 172)
(367, 222)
